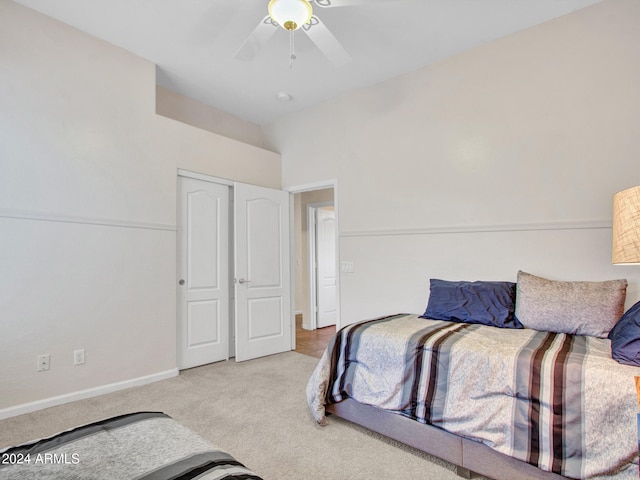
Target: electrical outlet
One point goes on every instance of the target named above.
(43, 362)
(78, 357)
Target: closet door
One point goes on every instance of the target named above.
(262, 271)
(203, 272)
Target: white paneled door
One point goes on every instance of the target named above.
(203, 272)
(326, 267)
(262, 271)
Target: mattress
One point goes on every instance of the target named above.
(556, 401)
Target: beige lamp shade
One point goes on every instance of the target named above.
(626, 226)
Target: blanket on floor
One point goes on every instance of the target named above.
(141, 446)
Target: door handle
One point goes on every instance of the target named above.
(242, 281)
(181, 282)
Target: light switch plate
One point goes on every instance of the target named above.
(346, 267)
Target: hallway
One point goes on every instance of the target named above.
(312, 342)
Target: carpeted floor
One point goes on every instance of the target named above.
(256, 411)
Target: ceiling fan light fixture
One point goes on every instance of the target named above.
(290, 14)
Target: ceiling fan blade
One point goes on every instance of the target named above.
(251, 46)
(326, 42)
(349, 3)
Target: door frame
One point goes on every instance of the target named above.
(312, 249)
(310, 187)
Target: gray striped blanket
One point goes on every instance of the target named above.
(556, 401)
(141, 446)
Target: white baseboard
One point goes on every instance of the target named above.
(83, 394)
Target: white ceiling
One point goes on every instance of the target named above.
(193, 42)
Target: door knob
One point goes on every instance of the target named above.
(242, 281)
(181, 282)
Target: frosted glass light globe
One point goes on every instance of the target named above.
(290, 14)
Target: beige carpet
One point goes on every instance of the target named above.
(256, 411)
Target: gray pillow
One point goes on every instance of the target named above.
(581, 308)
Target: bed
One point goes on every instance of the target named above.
(502, 401)
(140, 445)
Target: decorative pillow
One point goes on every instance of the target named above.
(581, 308)
(625, 338)
(487, 303)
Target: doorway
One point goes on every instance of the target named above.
(308, 200)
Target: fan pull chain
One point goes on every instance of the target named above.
(292, 55)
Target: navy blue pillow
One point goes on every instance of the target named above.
(487, 303)
(625, 337)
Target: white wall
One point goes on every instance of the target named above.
(88, 210)
(505, 157)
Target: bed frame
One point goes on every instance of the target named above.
(467, 455)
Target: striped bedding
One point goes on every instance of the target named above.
(141, 446)
(556, 401)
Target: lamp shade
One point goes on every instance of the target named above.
(626, 226)
(290, 14)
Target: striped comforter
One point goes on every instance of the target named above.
(556, 401)
(141, 446)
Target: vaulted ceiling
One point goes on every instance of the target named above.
(194, 42)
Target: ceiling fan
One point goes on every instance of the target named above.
(292, 15)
